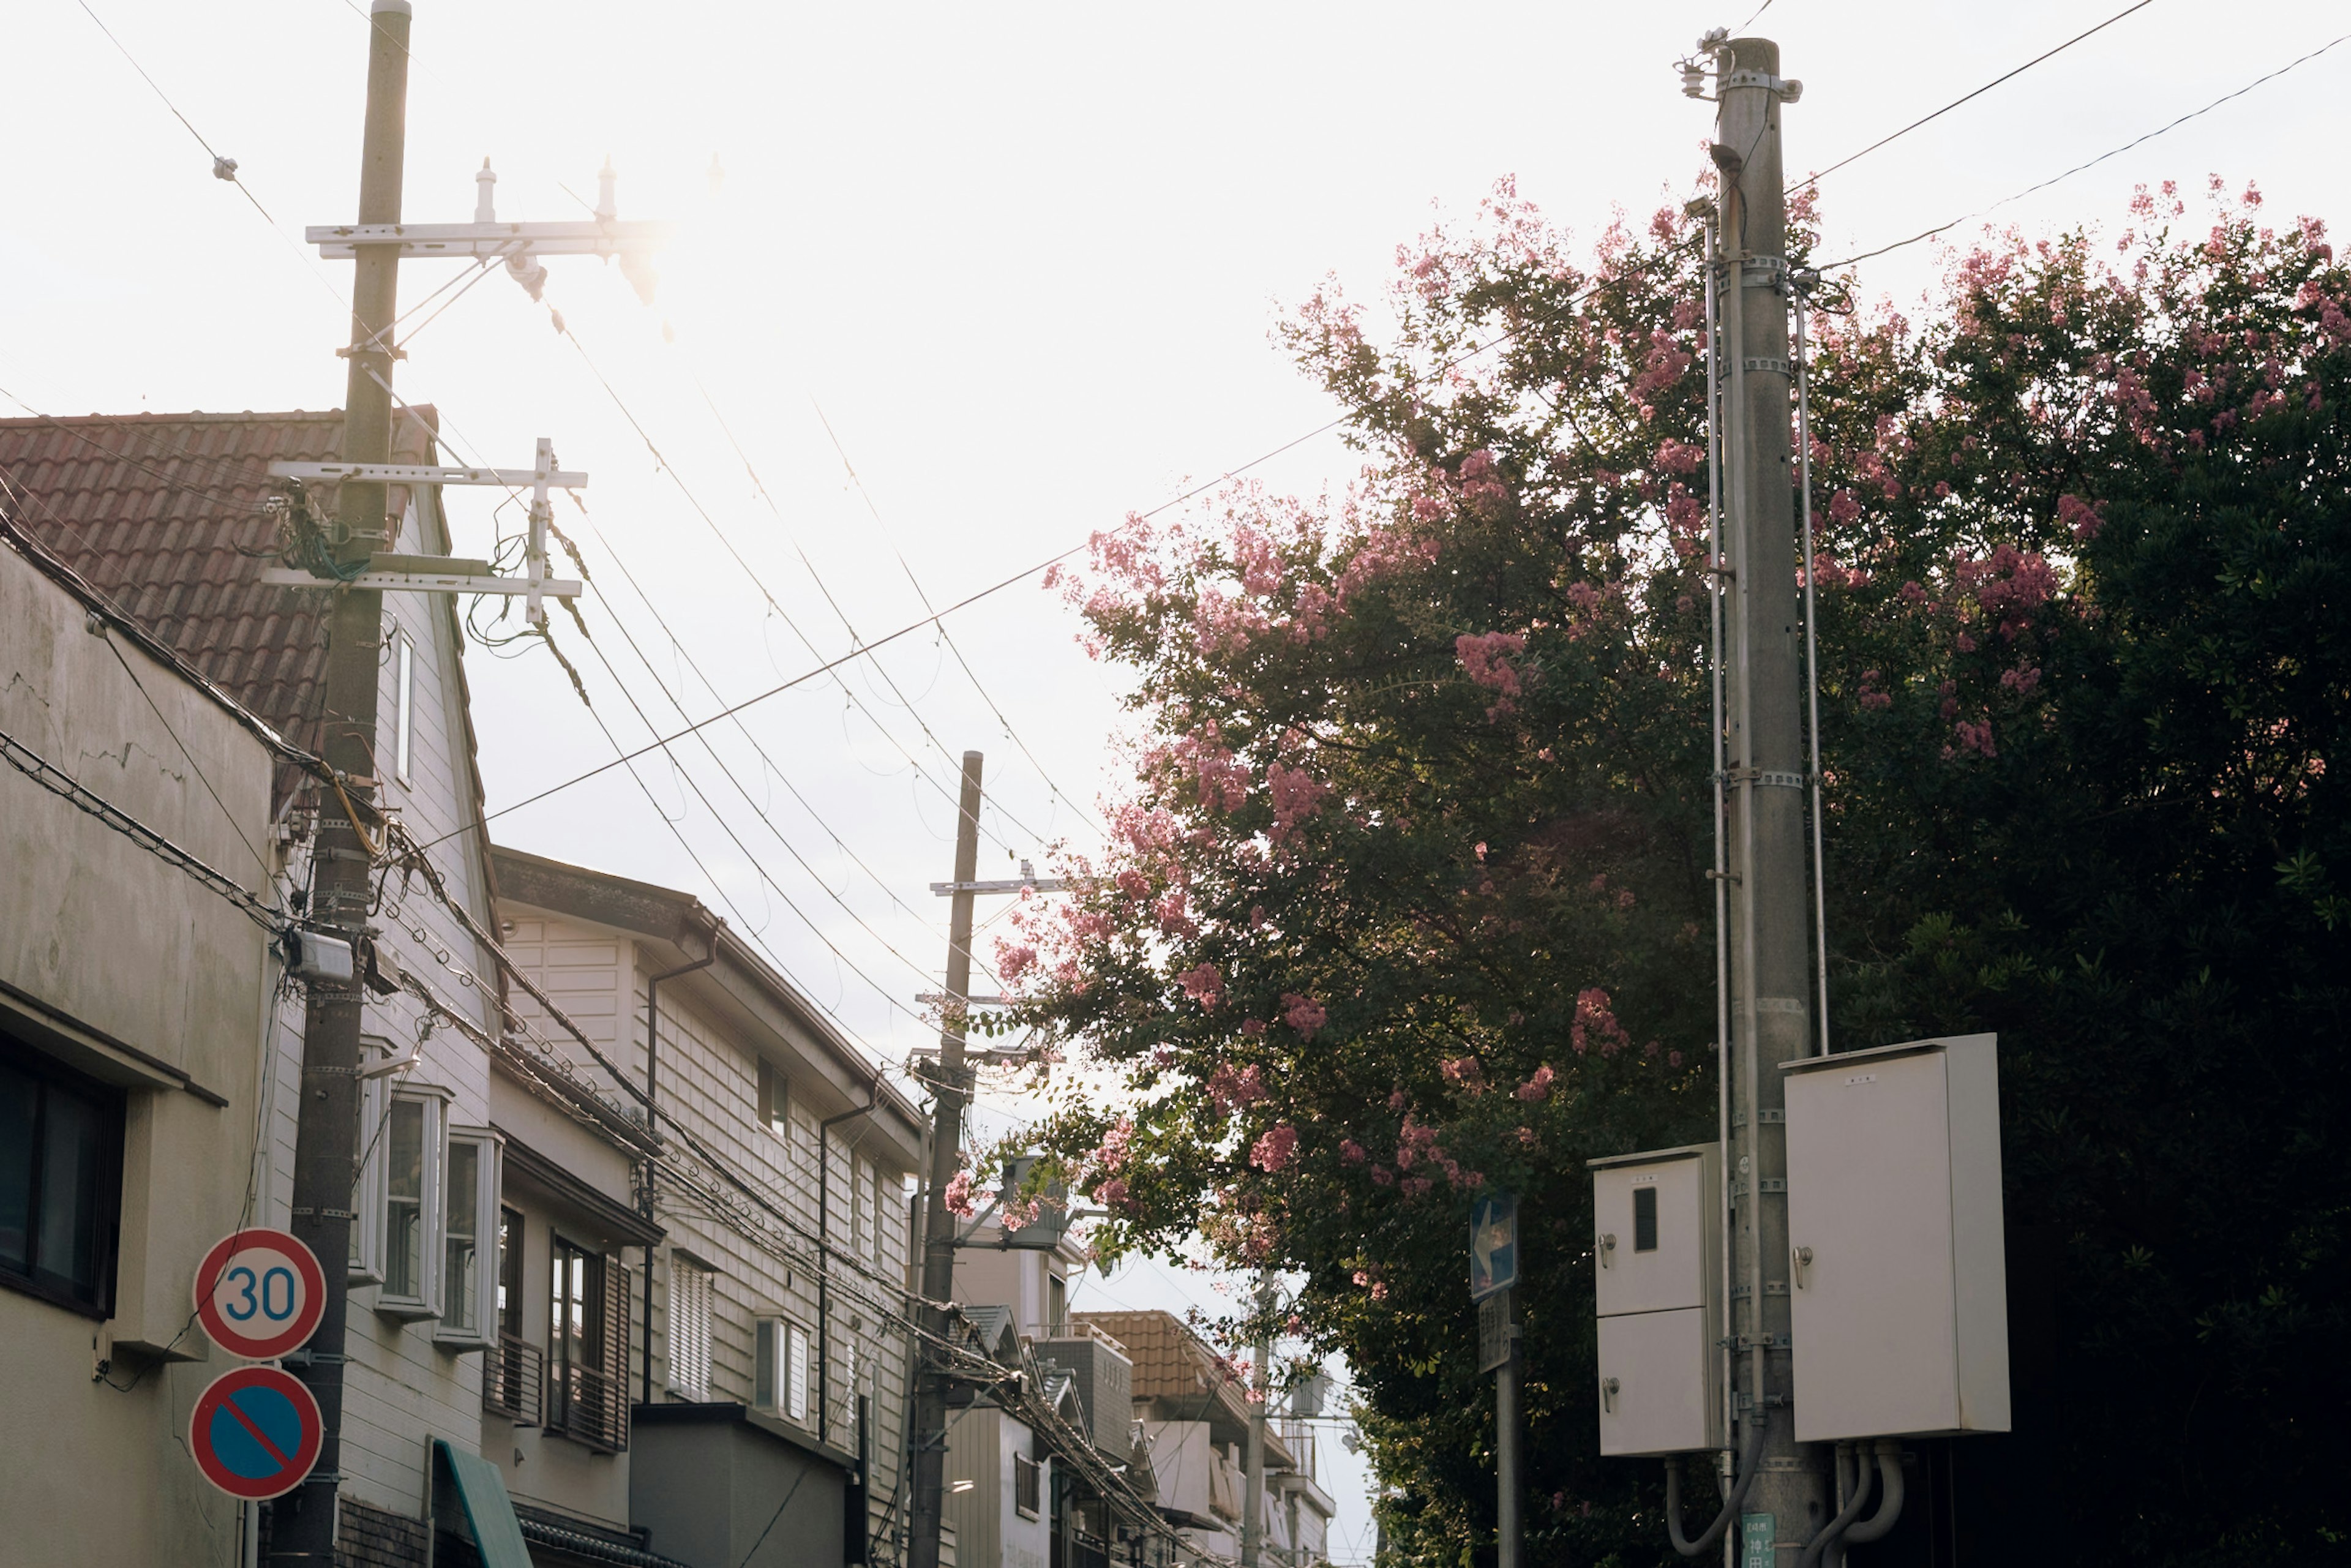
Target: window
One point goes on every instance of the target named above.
(469, 1286)
(872, 1219)
(404, 719)
(1027, 1488)
(367, 1191)
(399, 1239)
(1057, 1306)
(514, 1371)
(510, 1247)
(60, 1178)
(588, 1347)
(779, 1368)
(775, 1101)
(690, 1295)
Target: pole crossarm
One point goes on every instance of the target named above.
(427, 582)
(424, 473)
(488, 242)
(1010, 884)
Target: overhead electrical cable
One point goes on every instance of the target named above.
(2078, 168)
(661, 460)
(222, 168)
(904, 565)
(1966, 98)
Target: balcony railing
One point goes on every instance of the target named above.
(513, 1373)
(588, 1406)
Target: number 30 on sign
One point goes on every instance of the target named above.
(260, 1293)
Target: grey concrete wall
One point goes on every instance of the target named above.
(108, 940)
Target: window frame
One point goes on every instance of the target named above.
(779, 1369)
(605, 1346)
(112, 1103)
(366, 1264)
(1031, 1469)
(775, 1103)
(692, 1312)
(425, 1301)
(490, 1193)
(403, 710)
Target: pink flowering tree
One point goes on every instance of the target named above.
(1407, 900)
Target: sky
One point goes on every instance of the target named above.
(954, 287)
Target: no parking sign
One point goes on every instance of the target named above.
(260, 1293)
(255, 1433)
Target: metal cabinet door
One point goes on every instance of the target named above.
(1869, 1193)
(1656, 1396)
(1657, 1261)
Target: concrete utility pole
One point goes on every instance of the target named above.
(326, 1141)
(947, 1097)
(1253, 1455)
(1764, 758)
(1509, 1529)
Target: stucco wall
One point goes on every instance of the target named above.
(98, 933)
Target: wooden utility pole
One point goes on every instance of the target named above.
(948, 1099)
(326, 1133)
(1253, 1455)
(1765, 772)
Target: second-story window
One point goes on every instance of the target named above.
(400, 1238)
(404, 719)
(469, 1286)
(1027, 1487)
(775, 1101)
(587, 1347)
(689, 1327)
(779, 1368)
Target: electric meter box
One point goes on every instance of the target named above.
(1900, 1301)
(1658, 1285)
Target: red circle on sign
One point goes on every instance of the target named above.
(260, 1293)
(255, 1433)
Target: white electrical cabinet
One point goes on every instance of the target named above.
(1656, 1251)
(1899, 1268)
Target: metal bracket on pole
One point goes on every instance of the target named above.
(441, 574)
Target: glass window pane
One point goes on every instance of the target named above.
(404, 1210)
(461, 1283)
(19, 1104)
(71, 1144)
(510, 1235)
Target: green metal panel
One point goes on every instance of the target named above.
(488, 1509)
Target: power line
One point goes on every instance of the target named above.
(661, 460)
(1964, 97)
(2078, 168)
(876, 513)
(222, 168)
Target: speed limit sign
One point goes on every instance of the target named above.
(260, 1293)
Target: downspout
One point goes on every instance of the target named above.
(653, 1062)
(824, 1255)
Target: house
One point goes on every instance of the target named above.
(770, 1422)
(135, 854)
(459, 1347)
(1193, 1406)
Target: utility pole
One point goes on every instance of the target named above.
(326, 1140)
(947, 1097)
(1253, 1455)
(1765, 767)
(1509, 1531)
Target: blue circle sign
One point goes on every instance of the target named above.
(255, 1433)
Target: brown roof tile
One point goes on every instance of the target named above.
(163, 515)
(1173, 1363)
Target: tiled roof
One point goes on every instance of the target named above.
(162, 514)
(1173, 1363)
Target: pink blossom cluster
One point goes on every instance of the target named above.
(1205, 984)
(1464, 1073)
(1014, 960)
(1486, 659)
(1872, 698)
(1111, 1154)
(958, 1194)
(1303, 1014)
(1230, 1088)
(1596, 1024)
(2084, 517)
(1275, 1148)
(1297, 795)
(1537, 1089)
(1974, 736)
(2009, 585)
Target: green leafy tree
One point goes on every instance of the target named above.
(1409, 901)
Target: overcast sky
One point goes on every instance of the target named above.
(1024, 260)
